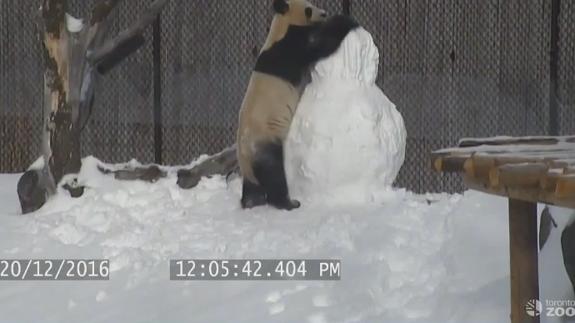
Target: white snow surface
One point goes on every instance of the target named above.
(346, 139)
(405, 258)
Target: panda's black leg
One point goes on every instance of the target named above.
(269, 171)
(252, 195)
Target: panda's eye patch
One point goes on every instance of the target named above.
(308, 12)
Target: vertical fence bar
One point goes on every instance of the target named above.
(554, 69)
(346, 7)
(157, 44)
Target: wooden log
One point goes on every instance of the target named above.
(524, 259)
(222, 163)
(518, 175)
(533, 194)
(568, 248)
(548, 183)
(449, 164)
(565, 187)
(149, 174)
(486, 168)
(479, 167)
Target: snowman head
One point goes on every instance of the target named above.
(357, 59)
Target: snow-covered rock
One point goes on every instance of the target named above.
(347, 139)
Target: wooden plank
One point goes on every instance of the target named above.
(524, 259)
(519, 175)
(470, 142)
(505, 142)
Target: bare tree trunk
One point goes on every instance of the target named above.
(62, 83)
(72, 53)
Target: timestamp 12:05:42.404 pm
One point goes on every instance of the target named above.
(255, 269)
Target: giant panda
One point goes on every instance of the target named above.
(300, 35)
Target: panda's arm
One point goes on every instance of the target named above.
(326, 39)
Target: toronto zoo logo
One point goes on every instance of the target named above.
(533, 308)
(553, 308)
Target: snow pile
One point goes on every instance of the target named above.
(409, 258)
(347, 139)
(74, 24)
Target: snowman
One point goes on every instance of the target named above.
(347, 140)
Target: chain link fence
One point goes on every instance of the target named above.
(454, 68)
(566, 90)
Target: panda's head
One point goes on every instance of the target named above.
(299, 12)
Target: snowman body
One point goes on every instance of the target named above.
(347, 140)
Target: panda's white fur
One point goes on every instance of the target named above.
(268, 109)
(295, 41)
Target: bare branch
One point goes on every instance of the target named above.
(149, 174)
(137, 28)
(124, 49)
(102, 10)
(222, 163)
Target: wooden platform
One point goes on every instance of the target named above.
(535, 169)
(527, 170)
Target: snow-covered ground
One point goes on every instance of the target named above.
(406, 258)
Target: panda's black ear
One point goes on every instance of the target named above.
(281, 6)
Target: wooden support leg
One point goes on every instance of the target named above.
(524, 263)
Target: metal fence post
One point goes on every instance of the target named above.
(157, 61)
(554, 128)
(346, 7)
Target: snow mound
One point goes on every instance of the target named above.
(347, 139)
